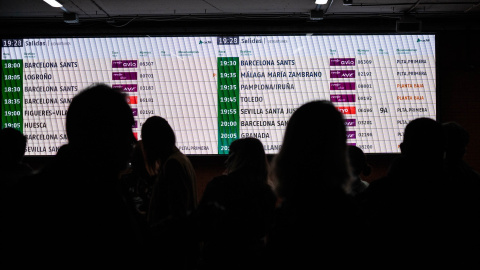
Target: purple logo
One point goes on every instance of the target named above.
(350, 122)
(352, 143)
(342, 61)
(342, 86)
(342, 73)
(134, 124)
(126, 87)
(342, 98)
(135, 112)
(124, 76)
(351, 135)
(124, 63)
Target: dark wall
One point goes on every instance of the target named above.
(459, 85)
(458, 58)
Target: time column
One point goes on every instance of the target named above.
(228, 98)
(12, 93)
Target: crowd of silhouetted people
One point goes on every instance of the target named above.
(109, 200)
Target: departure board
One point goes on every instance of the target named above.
(216, 89)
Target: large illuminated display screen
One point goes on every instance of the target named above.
(215, 89)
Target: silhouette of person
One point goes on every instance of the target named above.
(236, 210)
(464, 184)
(457, 139)
(173, 197)
(74, 208)
(139, 184)
(407, 207)
(12, 172)
(317, 219)
(359, 165)
(12, 152)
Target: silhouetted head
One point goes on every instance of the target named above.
(158, 138)
(313, 154)
(358, 161)
(248, 155)
(423, 140)
(99, 126)
(13, 144)
(456, 140)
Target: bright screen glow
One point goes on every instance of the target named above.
(213, 90)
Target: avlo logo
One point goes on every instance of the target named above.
(205, 42)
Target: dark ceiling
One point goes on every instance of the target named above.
(130, 13)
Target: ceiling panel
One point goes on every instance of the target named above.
(36, 9)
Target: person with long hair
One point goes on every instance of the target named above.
(236, 210)
(174, 195)
(315, 221)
